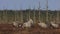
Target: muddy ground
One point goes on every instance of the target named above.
(9, 29)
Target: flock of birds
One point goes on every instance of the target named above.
(30, 23)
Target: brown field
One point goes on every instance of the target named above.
(9, 29)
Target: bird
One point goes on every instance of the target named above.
(54, 25)
(28, 24)
(15, 23)
(43, 25)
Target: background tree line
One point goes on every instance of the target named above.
(8, 16)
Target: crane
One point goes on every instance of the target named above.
(34, 18)
(39, 11)
(46, 10)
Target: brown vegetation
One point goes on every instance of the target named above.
(6, 28)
